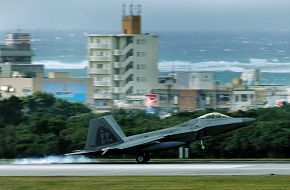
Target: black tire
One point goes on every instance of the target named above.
(142, 158)
(147, 157)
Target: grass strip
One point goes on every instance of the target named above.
(277, 182)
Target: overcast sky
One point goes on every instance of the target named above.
(157, 15)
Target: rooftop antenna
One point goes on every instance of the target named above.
(124, 9)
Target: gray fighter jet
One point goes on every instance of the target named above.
(105, 137)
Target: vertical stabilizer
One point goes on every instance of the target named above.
(104, 131)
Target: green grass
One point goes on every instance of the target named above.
(150, 183)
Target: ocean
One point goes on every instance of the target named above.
(227, 54)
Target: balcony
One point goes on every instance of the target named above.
(100, 58)
(15, 53)
(99, 71)
(102, 83)
(117, 52)
(123, 64)
(99, 46)
(118, 65)
(117, 90)
(123, 76)
(118, 77)
(102, 96)
(123, 51)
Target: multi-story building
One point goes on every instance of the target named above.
(243, 99)
(17, 49)
(122, 65)
(196, 80)
(16, 56)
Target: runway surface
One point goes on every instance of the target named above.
(155, 169)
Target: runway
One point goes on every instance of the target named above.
(152, 169)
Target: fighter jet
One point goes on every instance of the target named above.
(105, 137)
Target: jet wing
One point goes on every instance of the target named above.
(127, 144)
(133, 143)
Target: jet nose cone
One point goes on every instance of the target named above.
(248, 120)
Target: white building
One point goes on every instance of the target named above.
(196, 80)
(243, 99)
(122, 65)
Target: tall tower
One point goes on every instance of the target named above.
(131, 23)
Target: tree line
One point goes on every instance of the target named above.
(40, 125)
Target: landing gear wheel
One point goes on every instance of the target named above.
(142, 158)
(202, 145)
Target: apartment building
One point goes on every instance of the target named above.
(124, 64)
(16, 56)
(17, 49)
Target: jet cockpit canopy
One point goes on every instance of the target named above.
(213, 115)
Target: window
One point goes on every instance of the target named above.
(141, 54)
(99, 66)
(101, 103)
(98, 78)
(100, 53)
(223, 97)
(237, 98)
(244, 97)
(140, 41)
(140, 66)
(138, 79)
(98, 40)
(163, 97)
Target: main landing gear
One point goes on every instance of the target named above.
(202, 145)
(142, 158)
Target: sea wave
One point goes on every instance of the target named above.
(217, 66)
(272, 66)
(55, 64)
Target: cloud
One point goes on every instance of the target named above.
(157, 15)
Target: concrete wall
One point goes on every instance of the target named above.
(5, 70)
(188, 100)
